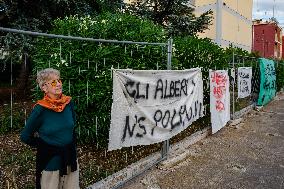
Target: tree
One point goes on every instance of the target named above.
(38, 15)
(174, 15)
(35, 15)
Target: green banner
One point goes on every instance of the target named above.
(267, 89)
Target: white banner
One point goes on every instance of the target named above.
(219, 99)
(152, 106)
(244, 81)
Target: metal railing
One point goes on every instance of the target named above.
(51, 38)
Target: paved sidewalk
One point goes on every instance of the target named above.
(249, 155)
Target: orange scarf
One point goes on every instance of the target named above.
(56, 105)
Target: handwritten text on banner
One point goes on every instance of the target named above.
(152, 106)
(219, 99)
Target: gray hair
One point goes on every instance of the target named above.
(45, 75)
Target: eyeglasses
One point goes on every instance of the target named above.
(54, 82)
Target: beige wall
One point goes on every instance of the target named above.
(236, 23)
(204, 2)
(244, 8)
(233, 4)
(211, 32)
(229, 26)
(245, 33)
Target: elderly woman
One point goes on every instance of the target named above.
(50, 128)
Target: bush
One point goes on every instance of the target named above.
(191, 52)
(87, 73)
(86, 66)
(279, 75)
(18, 118)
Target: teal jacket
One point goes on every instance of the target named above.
(54, 128)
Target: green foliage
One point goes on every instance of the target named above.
(18, 119)
(89, 69)
(34, 15)
(38, 15)
(191, 52)
(279, 75)
(86, 66)
(110, 26)
(174, 15)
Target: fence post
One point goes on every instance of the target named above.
(234, 85)
(170, 50)
(11, 93)
(166, 144)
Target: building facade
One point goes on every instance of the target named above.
(231, 24)
(282, 47)
(267, 37)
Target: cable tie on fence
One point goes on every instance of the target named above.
(111, 71)
(60, 51)
(70, 57)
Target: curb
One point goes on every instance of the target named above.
(180, 151)
(176, 154)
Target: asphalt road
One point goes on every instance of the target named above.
(249, 155)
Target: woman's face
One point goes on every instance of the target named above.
(53, 87)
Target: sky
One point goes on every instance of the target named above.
(264, 9)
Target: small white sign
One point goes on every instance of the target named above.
(244, 81)
(219, 99)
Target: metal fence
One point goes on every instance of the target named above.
(239, 106)
(98, 162)
(18, 108)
